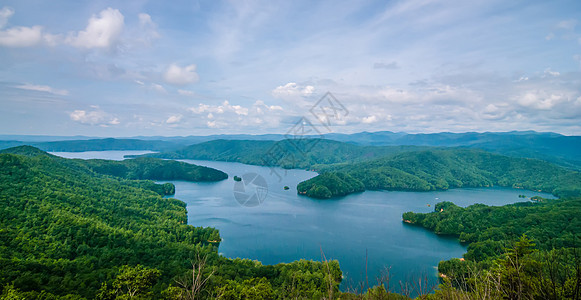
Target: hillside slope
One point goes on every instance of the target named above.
(302, 153)
(441, 169)
(67, 231)
(139, 168)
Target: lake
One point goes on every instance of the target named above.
(287, 227)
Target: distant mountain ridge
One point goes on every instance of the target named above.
(553, 147)
(106, 144)
(302, 153)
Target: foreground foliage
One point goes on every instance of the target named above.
(68, 232)
(519, 251)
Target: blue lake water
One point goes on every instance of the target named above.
(287, 227)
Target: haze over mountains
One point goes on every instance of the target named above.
(553, 147)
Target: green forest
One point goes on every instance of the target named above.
(441, 169)
(529, 250)
(139, 168)
(299, 153)
(69, 232)
(404, 168)
(97, 229)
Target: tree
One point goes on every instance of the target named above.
(516, 271)
(191, 286)
(132, 282)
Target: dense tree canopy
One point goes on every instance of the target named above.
(330, 184)
(441, 169)
(75, 229)
(290, 153)
(68, 231)
(529, 250)
(155, 169)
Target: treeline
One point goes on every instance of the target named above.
(68, 232)
(407, 168)
(550, 223)
(441, 169)
(519, 251)
(139, 168)
(299, 153)
(154, 169)
(330, 184)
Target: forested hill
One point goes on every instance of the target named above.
(528, 250)
(300, 153)
(66, 231)
(140, 168)
(549, 146)
(441, 169)
(556, 148)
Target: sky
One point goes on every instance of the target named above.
(178, 68)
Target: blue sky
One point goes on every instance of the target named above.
(127, 68)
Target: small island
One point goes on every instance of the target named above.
(236, 178)
(286, 187)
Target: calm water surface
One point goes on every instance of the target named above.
(111, 155)
(288, 227)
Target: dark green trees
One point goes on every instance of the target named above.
(441, 169)
(330, 184)
(68, 232)
(132, 282)
(154, 169)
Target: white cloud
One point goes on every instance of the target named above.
(259, 107)
(148, 28)
(213, 124)
(52, 39)
(158, 87)
(236, 117)
(5, 14)
(94, 117)
(42, 88)
(181, 76)
(567, 24)
(21, 36)
(220, 109)
(552, 73)
(494, 112)
(186, 93)
(174, 119)
(18, 36)
(539, 99)
(369, 119)
(102, 31)
(293, 89)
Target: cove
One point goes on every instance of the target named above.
(288, 227)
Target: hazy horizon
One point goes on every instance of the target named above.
(148, 68)
(34, 137)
